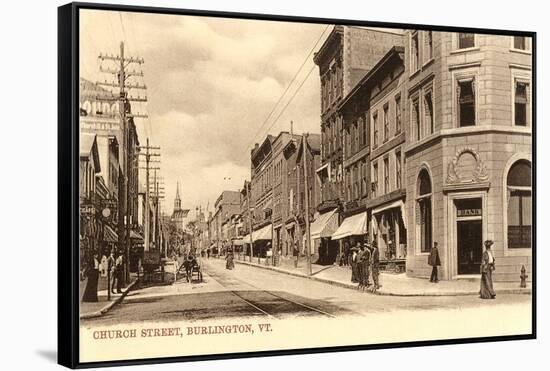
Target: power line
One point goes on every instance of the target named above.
(288, 86)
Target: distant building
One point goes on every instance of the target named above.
(179, 215)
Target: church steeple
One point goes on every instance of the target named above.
(177, 200)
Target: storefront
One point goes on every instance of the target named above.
(388, 225)
(321, 231)
(352, 230)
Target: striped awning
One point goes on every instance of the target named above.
(109, 235)
(325, 225)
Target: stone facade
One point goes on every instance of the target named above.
(467, 146)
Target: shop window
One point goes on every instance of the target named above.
(466, 40)
(521, 104)
(466, 103)
(519, 205)
(424, 212)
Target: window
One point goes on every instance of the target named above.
(355, 182)
(348, 185)
(520, 42)
(521, 104)
(364, 190)
(428, 43)
(414, 52)
(398, 170)
(375, 130)
(466, 40)
(386, 175)
(374, 180)
(397, 114)
(356, 136)
(386, 123)
(424, 212)
(416, 118)
(365, 132)
(466, 103)
(519, 205)
(428, 112)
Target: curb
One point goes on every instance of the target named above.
(526, 291)
(105, 309)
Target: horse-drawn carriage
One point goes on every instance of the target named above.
(193, 269)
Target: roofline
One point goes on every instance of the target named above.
(337, 29)
(395, 50)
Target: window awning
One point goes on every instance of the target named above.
(399, 203)
(135, 236)
(262, 234)
(109, 235)
(352, 226)
(325, 225)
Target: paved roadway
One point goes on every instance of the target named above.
(253, 292)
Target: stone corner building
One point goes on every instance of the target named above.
(426, 137)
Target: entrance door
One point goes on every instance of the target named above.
(469, 241)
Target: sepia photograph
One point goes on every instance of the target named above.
(261, 185)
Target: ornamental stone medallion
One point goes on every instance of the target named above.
(466, 167)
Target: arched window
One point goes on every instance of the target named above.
(518, 183)
(424, 211)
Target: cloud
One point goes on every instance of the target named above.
(211, 84)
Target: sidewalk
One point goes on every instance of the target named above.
(102, 306)
(391, 284)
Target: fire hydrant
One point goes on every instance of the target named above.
(523, 277)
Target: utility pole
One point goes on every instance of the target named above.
(148, 154)
(306, 212)
(121, 63)
(248, 190)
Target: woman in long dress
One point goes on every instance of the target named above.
(486, 290)
(90, 293)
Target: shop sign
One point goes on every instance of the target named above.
(468, 212)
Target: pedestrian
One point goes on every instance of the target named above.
(375, 265)
(118, 273)
(208, 253)
(92, 272)
(359, 265)
(365, 266)
(268, 254)
(295, 253)
(353, 263)
(347, 252)
(487, 267)
(229, 264)
(434, 262)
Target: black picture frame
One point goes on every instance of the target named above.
(68, 210)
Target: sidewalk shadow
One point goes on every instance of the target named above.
(49, 355)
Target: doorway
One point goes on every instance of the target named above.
(469, 246)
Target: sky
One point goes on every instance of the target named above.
(211, 85)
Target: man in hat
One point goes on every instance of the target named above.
(487, 267)
(434, 261)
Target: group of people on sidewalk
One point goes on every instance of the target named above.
(364, 259)
(486, 290)
(111, 266)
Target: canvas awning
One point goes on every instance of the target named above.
(325, 225)
(135, 236)
(109, 235)
(352, 226)
(399, 203)
(262, 234)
